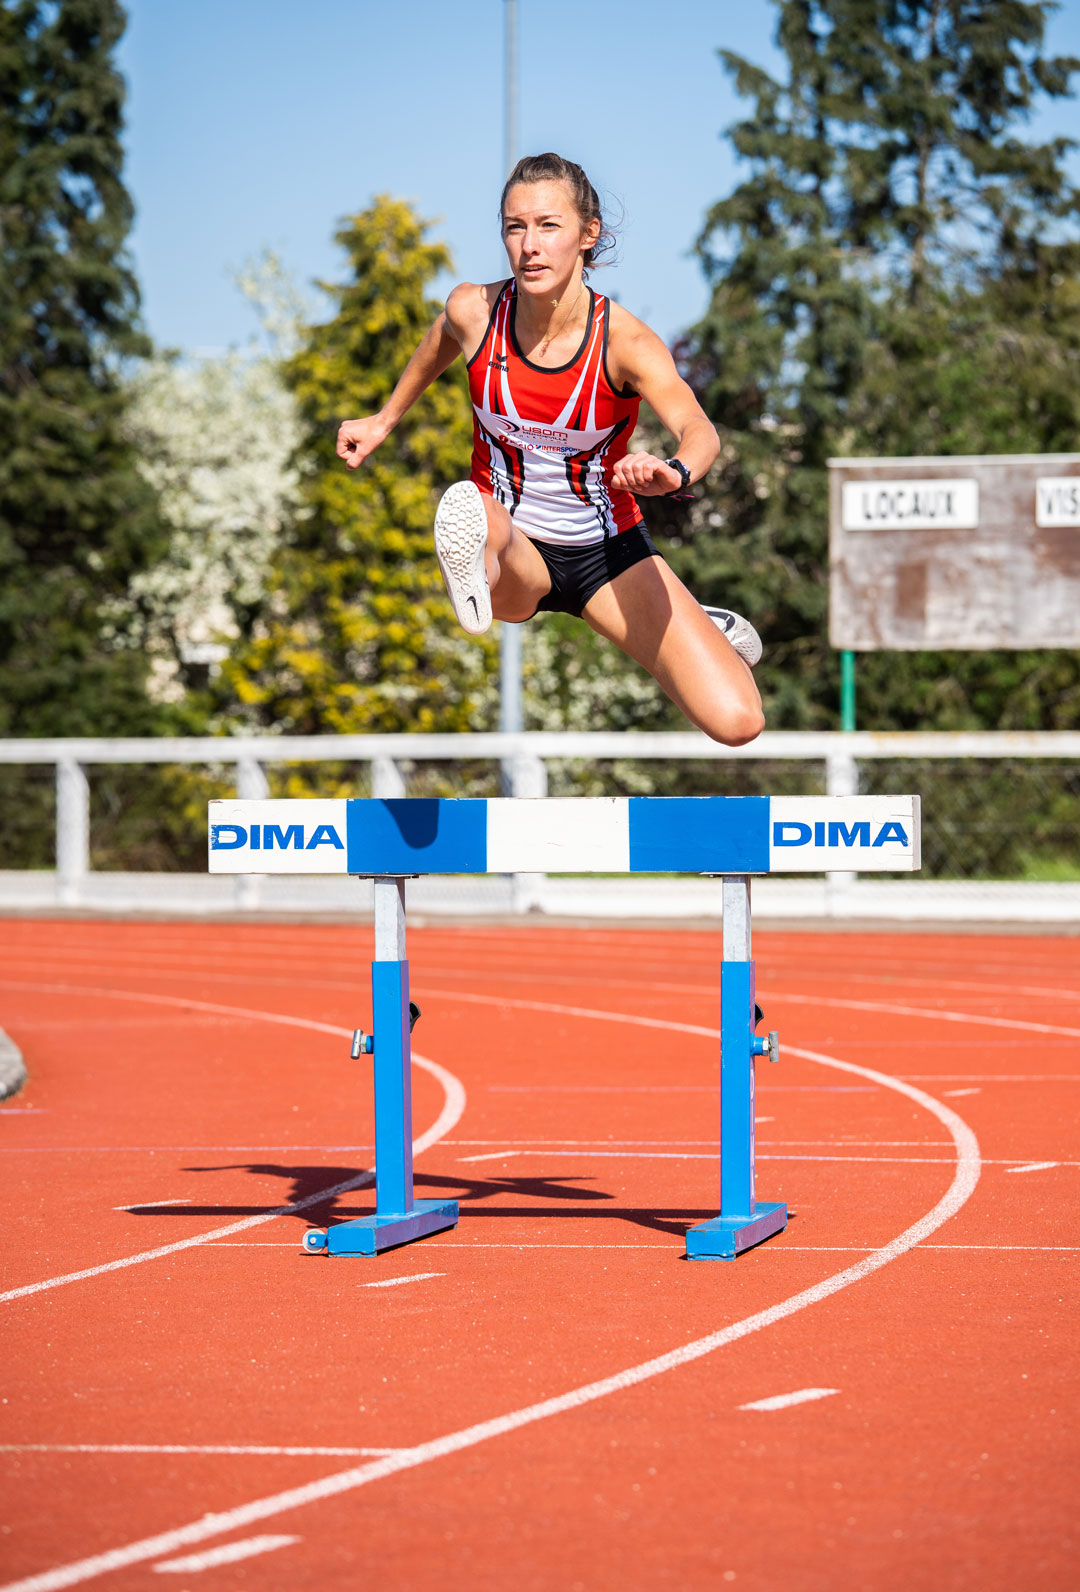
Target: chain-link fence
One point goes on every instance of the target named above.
(983, 818)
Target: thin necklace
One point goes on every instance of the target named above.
(550, 338)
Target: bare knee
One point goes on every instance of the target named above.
(735, 722)
(746, 727)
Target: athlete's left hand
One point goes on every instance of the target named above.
(645, 475)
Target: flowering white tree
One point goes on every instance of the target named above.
(217, 439)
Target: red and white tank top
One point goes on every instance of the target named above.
(545, 442)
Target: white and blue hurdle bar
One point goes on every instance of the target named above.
(730, 837)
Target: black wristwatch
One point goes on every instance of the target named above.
(684, 473)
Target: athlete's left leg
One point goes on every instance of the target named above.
(648, 612)
(489, 567)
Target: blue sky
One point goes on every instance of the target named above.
(258, 123)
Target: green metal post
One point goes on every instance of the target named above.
(847, 690)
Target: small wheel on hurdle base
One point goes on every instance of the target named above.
(314, 1240)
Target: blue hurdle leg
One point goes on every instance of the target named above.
(393, 1087)
(398, 1216)
(743, 1220)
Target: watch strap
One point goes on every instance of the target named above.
(683, 488)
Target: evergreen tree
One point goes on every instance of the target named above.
(357, 633)
(76, 521)
(889, 278)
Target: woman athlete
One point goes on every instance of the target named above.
(548, 519)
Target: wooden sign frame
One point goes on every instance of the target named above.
(973, 552)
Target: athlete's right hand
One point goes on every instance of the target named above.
(357, 438)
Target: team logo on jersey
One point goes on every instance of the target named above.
(538, 439)
(498, 362)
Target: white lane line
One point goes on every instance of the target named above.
(301, 978)
(189, 1243)
(784, 1401)
(953, 1094)
(260, 1449)
(448, 1119)
(665, 1088)
(941, 1015)
(394, 1282)
(186, 1149)
(231, 1553)
(993, 1077)
(714, 1155)
(963, 1185)
(149, 1205)
(773, 1251)
(699, 1144)
(938, 1015)
(303, 975)
(265, 1243)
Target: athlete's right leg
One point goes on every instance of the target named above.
(489, 567)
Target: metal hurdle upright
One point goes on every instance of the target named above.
(732, 838)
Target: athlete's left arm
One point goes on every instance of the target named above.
(638, 359)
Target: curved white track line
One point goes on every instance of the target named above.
(447, 1120)
(805, 1000)
(960, 1190)
(932, 1013)
(938, 1015)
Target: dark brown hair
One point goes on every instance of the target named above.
(553, 168)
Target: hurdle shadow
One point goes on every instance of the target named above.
(545, 1194)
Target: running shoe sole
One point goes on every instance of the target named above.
(739, 631)
(460, 540)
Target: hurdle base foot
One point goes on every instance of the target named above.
(724, 1237)
(368, 1235)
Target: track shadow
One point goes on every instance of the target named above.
(545, 1193)
(306, 1182)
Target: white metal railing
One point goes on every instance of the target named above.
(523, 758)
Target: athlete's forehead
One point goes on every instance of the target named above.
(535, 201)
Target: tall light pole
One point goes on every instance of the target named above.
(510, 715)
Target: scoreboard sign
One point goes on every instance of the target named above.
(972, 553)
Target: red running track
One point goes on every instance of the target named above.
(549, 1397)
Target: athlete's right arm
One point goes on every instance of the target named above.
(356, 439)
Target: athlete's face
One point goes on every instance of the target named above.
(544, 237)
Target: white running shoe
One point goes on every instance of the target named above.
(739, 631)
(460, 540)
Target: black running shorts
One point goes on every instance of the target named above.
(577, 573)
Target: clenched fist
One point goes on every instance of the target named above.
(645, 475)
(357, 438)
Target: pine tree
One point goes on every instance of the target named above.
(357, 633)
(76, 521)
(888, 279)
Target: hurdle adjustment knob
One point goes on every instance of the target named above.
(362, 1044)
(774, 1045)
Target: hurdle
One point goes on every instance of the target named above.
(729, 838)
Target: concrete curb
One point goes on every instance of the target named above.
(816, 902)
(12, 1067)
